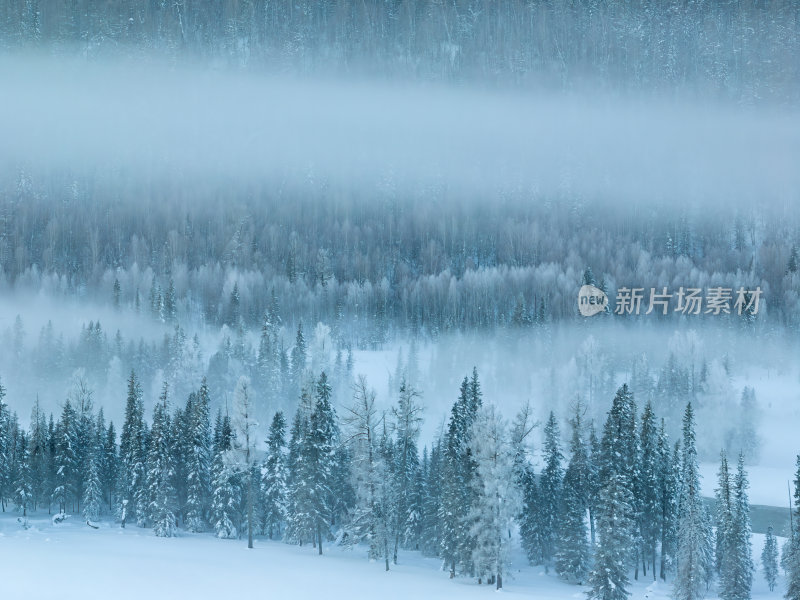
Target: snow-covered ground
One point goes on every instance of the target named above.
(71, 560)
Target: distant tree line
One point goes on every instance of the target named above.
(738, 50)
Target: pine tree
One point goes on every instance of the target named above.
(109, 471)
(769, 559)
(723, 520)
(649, 505)
(198, 463)
(23, 484)
(550, 488)
(244, 439)
(458, 471)
(39, 457)
(65, 458)
(132, 491)
(320, 449)
(737, 579)
(273, 485)
(616, 520)
(226, 498)
(407, 420)
(694, 546)
(92, 490)
(161, 506)
(573, 553)
(497, 500)
(300, 524)
(667, 499)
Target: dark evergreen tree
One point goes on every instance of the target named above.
(161, 495)
(273, 485)
(550, 489)
(695, 548)
(648, 489)
(132, 492)
(573, 554)
(198, 460)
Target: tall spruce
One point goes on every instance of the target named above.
(550, 489)
(273, 482)
(573, 556)
(162, 503)
(694, 551)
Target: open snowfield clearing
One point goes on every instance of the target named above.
(71, 560)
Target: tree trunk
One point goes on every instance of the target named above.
(319, 537)
(499, 582)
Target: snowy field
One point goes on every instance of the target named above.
(70, 560)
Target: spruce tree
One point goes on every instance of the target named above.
(769, 559)
(695, 549)
(160, 471)
(407, 420)
(198, 460)
(550, 488)
(65, 459)
(133, 457)
(23, 484)
(649, 505)
(496, 495)
(273, 480)
(226, 495)
(573, 554)
(738, 581)
(616, 517)
(92, 489)
(792, 558)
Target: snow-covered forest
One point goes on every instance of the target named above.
(291, 298)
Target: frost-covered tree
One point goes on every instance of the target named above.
(161, 495)
(573, 556)
(242, 457)
(694, 551)
(648, 489)
(23, 483)
(132, 492)
(92, 488)
(225, 482)
(616, 518)
(497, 500)
(198, 459)
(64, 492)
(273, 484)
(550, 488)
(368, 521)
(769, 559)
(407, 417)
(737, 579)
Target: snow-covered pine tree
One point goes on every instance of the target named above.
(694, 546)
(573, 556)
(550, 489)
(723, 521)
(407, 419)
(368, 519)
(131, 491)
(321, 445)
(299, 358)
(616, 525)
(649, 505)
(160, 471)
(39, 457)
(432, 501)
(65, 459)
(458, 470)
(242, 458)
(92, 487)
(769, 559)
(668, 468)
(273, 486)
(227, 493)
(198, 460)
(23, 484)
(497, 500)
(299, 523)
(109, 470)
(737, 577)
